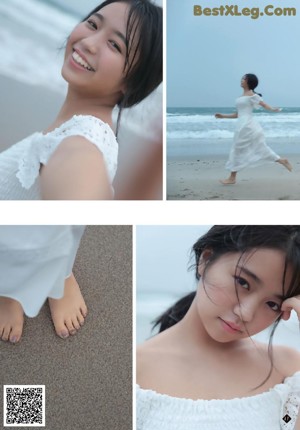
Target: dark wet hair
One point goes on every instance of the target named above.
(220, 240)
(144, 49)
(252, 82)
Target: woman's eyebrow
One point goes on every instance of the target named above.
(117, 32)
(250, 273)
(256, 279)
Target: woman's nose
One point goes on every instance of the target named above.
(91, 43)
(245, 309)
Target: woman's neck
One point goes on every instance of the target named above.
(248, 92)
(77, 105)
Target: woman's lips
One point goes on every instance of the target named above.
(230, 326)
(81, 61)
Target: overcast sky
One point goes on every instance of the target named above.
(164, 256)
(208, 55)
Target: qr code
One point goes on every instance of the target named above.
(24, 406)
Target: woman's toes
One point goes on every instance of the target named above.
(11, 320)
(68, 313)
(6, 332)
(16, 333)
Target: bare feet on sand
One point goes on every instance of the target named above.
(11, 320)
(69, 312)
(227, 181)
(285, 162)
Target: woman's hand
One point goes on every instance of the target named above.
(288, 305)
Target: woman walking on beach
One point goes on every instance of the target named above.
(204, 370)
(249, 146)
(113, 57)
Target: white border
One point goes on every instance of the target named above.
(150, 212)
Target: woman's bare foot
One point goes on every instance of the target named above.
(285, 162)
(11, 320)
(69, 312)
(227, 181)
(230, 180)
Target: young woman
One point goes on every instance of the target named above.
(249, 147)
(204, 370)
(113, 57)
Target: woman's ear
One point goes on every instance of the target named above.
(203, 260)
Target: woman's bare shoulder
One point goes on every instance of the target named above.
(286, 360)
(153, 357)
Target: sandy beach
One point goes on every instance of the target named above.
(88, 377)
(196, 176)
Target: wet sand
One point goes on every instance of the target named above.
(196, 177)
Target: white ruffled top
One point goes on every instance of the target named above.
(275, 409)
(20, 164)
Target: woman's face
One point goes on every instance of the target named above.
(95, 54)
(240, 296)
(244, 82)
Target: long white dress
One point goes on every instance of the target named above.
(35, 261)
(276, 409)
(249, 145)
(20, 164)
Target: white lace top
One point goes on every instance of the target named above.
(275, 409)
(20, 164)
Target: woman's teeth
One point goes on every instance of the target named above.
(76, 57)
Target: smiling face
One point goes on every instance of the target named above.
(240, 296)
(96, 52)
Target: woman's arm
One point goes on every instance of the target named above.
(230, 115)
(268, 107)
(75, 171)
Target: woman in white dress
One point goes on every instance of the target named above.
(113, 57)
(203, 370)
(249, 146)
(36, 264)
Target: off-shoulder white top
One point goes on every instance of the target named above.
(275, 409)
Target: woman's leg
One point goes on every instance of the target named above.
(69, 312)
(11, 320)
(285, 162)
(230, 180)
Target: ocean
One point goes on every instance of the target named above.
(198, 127)
(33, 34)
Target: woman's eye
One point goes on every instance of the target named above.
(115, 45)
(242, 282)
(274, 306)
(92, 24)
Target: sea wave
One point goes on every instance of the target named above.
(32, 34)
(226, 134)
(261, 117)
